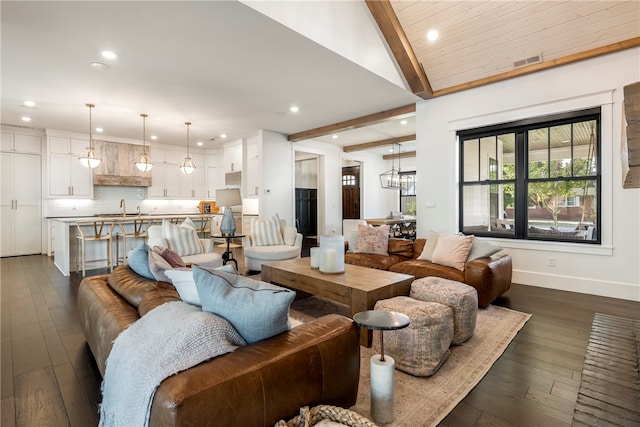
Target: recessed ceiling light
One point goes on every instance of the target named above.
(108, 54)
(294, 109)
(100, 130)
(223, 135)
(29, 104)
(154, 137)
(99, 66)
(433, 35)
(403, 122)
(391, 150)
(26, 119)
(335, 137)
(199, 143)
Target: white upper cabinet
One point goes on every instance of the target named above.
(66, 176)
(232, 153)
(21, 143)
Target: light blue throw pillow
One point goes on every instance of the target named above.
(258, 310)
(138, 260)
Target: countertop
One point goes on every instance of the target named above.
(127, 218)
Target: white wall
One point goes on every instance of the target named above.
(353, 31)
(278, 177)
(610, 269)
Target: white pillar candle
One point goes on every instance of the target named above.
(315, 258)
(382, 388)
(330, 259)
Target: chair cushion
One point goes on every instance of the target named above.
(272, 253)
(256, 309)
(181, 238)
(289, 235)
(266, 232)
(208, 259)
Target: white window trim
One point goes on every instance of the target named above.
(604, 100)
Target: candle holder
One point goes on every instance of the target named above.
(315, 258)
(332, 254)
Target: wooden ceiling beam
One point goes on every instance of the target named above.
(404, 155)
(380, 143)
(358, 122)
(588, 54)
(396, 38)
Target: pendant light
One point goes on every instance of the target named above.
(187, 167)
(90, 160)
(144, 163)
(391, 178)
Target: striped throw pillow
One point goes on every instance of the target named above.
(181, 238)
(266, 232)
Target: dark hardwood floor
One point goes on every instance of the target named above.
(49, 377)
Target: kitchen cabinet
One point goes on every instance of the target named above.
(194, 185)
(165, 174)
(254, 167)
(66, 176)
(232, 153)
(21, 143)
(215, 175)
(20, 204)
(168, 181)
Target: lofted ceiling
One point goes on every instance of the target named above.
(229, 69)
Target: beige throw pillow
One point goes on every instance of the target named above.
(372, 240)
(452, 250)
(429, 246)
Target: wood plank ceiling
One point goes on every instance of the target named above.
(483, 42)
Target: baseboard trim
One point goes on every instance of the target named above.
(620, 290)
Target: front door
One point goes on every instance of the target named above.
(307, 211)
(351, 192)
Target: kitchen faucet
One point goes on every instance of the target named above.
(123, 205)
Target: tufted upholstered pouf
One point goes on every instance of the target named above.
(461, 298)
(422, 347)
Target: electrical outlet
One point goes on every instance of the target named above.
(551, 262)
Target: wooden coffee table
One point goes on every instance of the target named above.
(358, 287)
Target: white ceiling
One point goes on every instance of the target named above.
(229, 69)
(221, 65)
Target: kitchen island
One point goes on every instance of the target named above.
(65, 244)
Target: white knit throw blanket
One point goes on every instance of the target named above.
(170, 338)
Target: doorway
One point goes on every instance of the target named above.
(351, 192)
(306, 194)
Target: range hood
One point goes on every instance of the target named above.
(118, 165)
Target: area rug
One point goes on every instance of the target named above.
(610, 382)
(427, 401)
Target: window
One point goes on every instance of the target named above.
(348, 180)
(536, 179)
(408, 193)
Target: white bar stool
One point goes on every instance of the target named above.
(94, 231)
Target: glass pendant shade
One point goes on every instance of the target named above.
(187, 167)
(144, 163)
(90, 160)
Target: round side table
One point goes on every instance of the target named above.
(382, 368)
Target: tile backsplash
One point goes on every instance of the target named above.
(107, 201)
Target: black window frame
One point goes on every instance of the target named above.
(520, 128)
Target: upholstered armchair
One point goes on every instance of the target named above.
(272, 240)
(184, 240)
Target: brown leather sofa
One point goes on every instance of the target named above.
(490, 276)
(256, 385)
